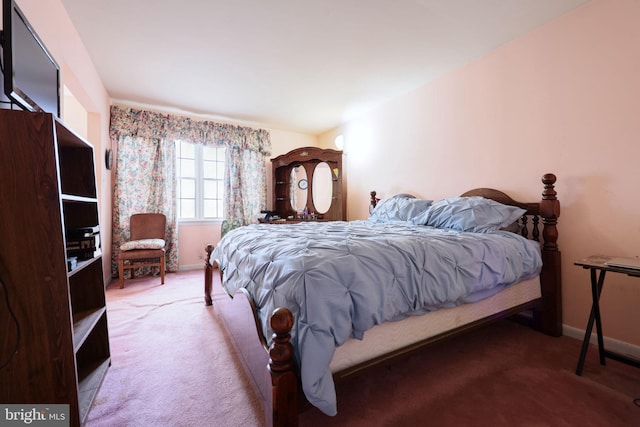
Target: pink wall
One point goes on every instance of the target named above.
(564, 98)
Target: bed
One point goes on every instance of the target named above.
(320, 302)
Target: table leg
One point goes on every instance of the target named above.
(596, 290)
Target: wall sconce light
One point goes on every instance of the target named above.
(339, 142)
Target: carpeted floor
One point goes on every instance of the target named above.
(172, 365)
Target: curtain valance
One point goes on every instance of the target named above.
(148, 124)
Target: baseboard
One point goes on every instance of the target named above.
(610, 344)
(191, 267)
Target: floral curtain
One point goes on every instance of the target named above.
(145, 182)
(245, 187)
(133, 129)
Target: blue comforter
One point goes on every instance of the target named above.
(340, 279)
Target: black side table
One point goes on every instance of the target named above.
(597, 264)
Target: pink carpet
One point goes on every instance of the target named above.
(173, 366)
(171, 363)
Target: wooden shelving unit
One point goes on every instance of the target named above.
(59, 321)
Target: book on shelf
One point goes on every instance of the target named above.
(84, 247)
(84, 242)
(84, 254)
(82, 231)
(72, 262)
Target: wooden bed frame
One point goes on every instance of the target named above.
(272, 370)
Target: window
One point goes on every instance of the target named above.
(200, 174)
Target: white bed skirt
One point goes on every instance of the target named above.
(390, 336)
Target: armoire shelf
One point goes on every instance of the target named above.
(56, 349)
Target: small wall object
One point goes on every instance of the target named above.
(108, 158)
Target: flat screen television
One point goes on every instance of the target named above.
(31, 75)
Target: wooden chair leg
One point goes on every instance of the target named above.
(162, 268)
(121, 272)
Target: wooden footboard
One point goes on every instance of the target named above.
(208, 275)
(274, 372)
(271, 370)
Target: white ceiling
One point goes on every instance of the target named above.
(299, 65)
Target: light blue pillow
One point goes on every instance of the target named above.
(475, 214)
(400, 209)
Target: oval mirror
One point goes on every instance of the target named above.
(298, 188)
(322, 187)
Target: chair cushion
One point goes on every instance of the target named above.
(141, 254)
(142, 244)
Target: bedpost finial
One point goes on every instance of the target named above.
(281, 321)
(282, 400)
(281, 350)
(549, 193)
(550, 211)
(374, 201)
(548, 179)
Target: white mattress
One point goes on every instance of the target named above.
(390, 336)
